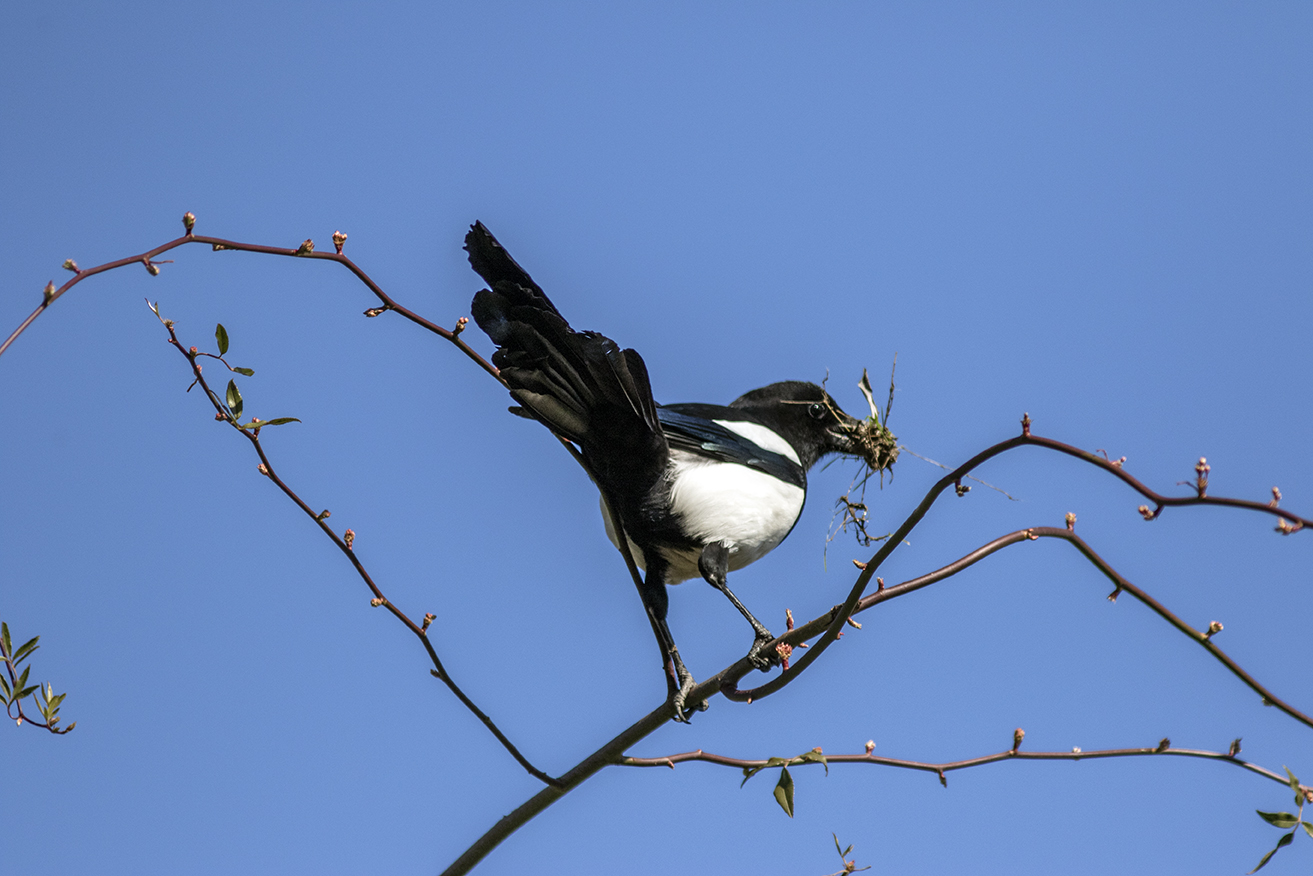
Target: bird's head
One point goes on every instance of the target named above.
(812, 421)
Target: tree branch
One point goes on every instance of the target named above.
(612, 752)
(344, 544)
(941, 768)
(833, 624)
(306, 251)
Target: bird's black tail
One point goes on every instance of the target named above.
(580, 384)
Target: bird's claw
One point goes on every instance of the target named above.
(759, 655)
(679, 695)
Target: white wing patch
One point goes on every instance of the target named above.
(762, 437)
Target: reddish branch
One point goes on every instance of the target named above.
(832, 624)
(941, 768)
(147, 258)
(344, 544)
(1202, 637)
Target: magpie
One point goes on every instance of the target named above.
(700, 490)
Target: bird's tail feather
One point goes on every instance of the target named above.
(580, 384)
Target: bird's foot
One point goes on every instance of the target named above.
(761, 657)
(679, 695)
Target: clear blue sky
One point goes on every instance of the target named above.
(1101, 216)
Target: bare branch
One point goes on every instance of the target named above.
(701, 756)
(833, 625)
(218, 244)
(344, 544)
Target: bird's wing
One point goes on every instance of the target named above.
(581, 385)
(693, 427)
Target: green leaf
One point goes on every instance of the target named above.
(221, 338)
(749, 772)
(1308, 828)
(22, 679)
(26, 649)
(813, 756)
(1282, 820)
(280, 421)
(26, 691)
(5, 646)
(4, 685)
(1294, 782)
(784, 791)
(1281, 844)
(245, 372)
(234, 399)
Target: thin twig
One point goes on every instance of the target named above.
(219, 243)
(834, 624)
(267, 468)
(939, 768)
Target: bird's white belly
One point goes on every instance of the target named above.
(748, 510)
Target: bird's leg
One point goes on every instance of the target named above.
(714, 566)
(679, 681)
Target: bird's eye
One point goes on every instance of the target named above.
(816, 410)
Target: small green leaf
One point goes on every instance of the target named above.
(22, 679)
(1308, 828)
(784, 791)
(1294, 782)
(234, 399)
(221, 338)
(26, 691)
(245, 372)
(814, 756)
(5, 646)
(1282, 820)
(1281, 844)
(26, 649)
(4, 685)
(280, 421)
(749, 772)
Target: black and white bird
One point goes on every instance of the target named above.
(699, 489)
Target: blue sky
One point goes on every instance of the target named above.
(1099, 215)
